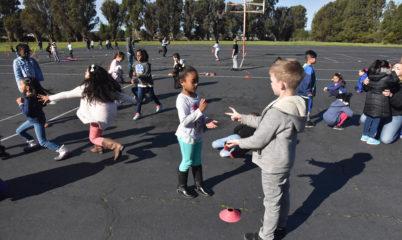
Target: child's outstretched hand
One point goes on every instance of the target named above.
(211, 123)
(19, 100)
(43, 98)
(234, 115)
(203, 104)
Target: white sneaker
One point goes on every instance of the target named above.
(63, 153)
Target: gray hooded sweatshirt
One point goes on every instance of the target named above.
(275, 138)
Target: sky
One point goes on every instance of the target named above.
(312, 7)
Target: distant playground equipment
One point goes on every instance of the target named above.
(248, 7)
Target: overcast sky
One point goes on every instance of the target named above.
(312, 7)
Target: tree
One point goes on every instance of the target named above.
(132, 11)
(391, 25)
(9, 13)
(176, 9)
(327, 24)
(111, 11)
(150, 22)
(188, 19)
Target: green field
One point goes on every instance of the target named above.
(5, 46)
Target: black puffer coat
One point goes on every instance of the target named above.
(377, 105)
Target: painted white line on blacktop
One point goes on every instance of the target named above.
(4, 119)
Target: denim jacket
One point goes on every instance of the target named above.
(26, 68)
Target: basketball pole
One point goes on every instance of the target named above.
(245, 11)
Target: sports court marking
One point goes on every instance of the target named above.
(50, 120)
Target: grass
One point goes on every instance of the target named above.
(5, 46)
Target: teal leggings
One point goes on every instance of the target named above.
(191, 155)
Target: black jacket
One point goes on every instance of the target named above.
(244, 131)
(377, 105)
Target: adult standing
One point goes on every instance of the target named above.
(130, 56)
(235, 52)
(392, 128)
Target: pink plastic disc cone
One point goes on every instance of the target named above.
(230, 215)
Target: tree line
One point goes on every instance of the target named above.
(74, 20)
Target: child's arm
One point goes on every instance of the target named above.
(248, 120)
(75, 93)
(262, 135)
(125, 97)
(38, 71)
(23, 104)
(185, 116)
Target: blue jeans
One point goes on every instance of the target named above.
(40, 134)
(141, 94)
(220, 143)
(371, 126)
(391, 130)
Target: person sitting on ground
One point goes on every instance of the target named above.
(337, 86)
(339, 111)
(392, 129)
(240, 131)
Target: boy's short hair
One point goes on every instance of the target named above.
(176, 55)
(289, 71)
(310, 54)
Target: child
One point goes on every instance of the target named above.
(307, 86)
(235, 52)
(217, 50)
(240, 131)
(48, 50)
(142, 75)
(177, 68)
(363, 76)
(165, 42)
(190, 108)
(274, 142)
(98, 94)
(25, 66)
(92, 44)
(338, 112)
(70, 49)
(55, 52)
(32, 109)
(377, 105)
(338, 85)
(115, 68)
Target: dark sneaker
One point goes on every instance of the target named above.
(279, 233)
(32, 146)
(309, 124)
(340, 128)
(252, 236)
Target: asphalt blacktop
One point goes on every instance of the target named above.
(341, 188)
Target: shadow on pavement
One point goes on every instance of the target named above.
(328, 181)
(41, 182)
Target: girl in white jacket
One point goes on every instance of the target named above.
(98, 94)
(115, 68)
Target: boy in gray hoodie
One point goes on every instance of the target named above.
(274, 144)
